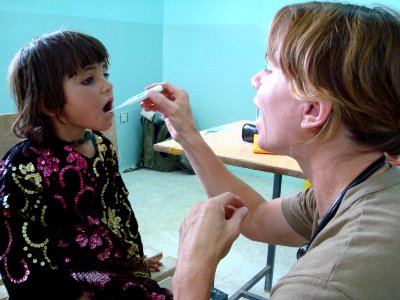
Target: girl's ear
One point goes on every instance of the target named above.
(47, 112)
(315, 114)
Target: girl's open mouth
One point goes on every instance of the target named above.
(108, 106)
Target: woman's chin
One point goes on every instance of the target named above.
(261, 142)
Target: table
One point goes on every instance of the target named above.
(226, 141)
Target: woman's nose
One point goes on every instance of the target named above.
(255, 80)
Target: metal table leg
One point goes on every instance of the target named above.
(276, 193)
(268, 270)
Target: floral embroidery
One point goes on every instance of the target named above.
(114, 221)
(47, 164)
(80, 162)
(80, 219)
(82, 240)
(95, 241)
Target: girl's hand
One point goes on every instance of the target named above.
(154, 264)
(84, 297)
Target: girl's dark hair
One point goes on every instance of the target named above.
(37, 73)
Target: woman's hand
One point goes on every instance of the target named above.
(205, 237)
(211, 227)
(173, 103)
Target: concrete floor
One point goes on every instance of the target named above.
(161, 200)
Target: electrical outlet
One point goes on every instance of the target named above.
(123, 117)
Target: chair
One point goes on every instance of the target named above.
(8, 139)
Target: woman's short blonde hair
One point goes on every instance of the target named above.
(348, 55)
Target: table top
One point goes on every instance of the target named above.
(226, 141)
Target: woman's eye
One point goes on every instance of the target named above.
(267, 71)
(106, 75)
(88, 81)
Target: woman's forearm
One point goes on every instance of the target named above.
(213, 174)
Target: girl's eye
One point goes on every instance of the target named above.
(267, 71)
(88, 81)
(106, 75)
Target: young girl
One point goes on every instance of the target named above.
(67, 229)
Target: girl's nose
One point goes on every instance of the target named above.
(107, 86)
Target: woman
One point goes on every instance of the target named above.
(330, 98)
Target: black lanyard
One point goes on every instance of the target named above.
(333, 209)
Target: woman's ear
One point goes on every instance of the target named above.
(315, 114)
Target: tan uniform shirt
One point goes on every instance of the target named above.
(357, 255)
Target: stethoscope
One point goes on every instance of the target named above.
(334, 207)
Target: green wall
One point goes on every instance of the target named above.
(212, 49)
(132, 31)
